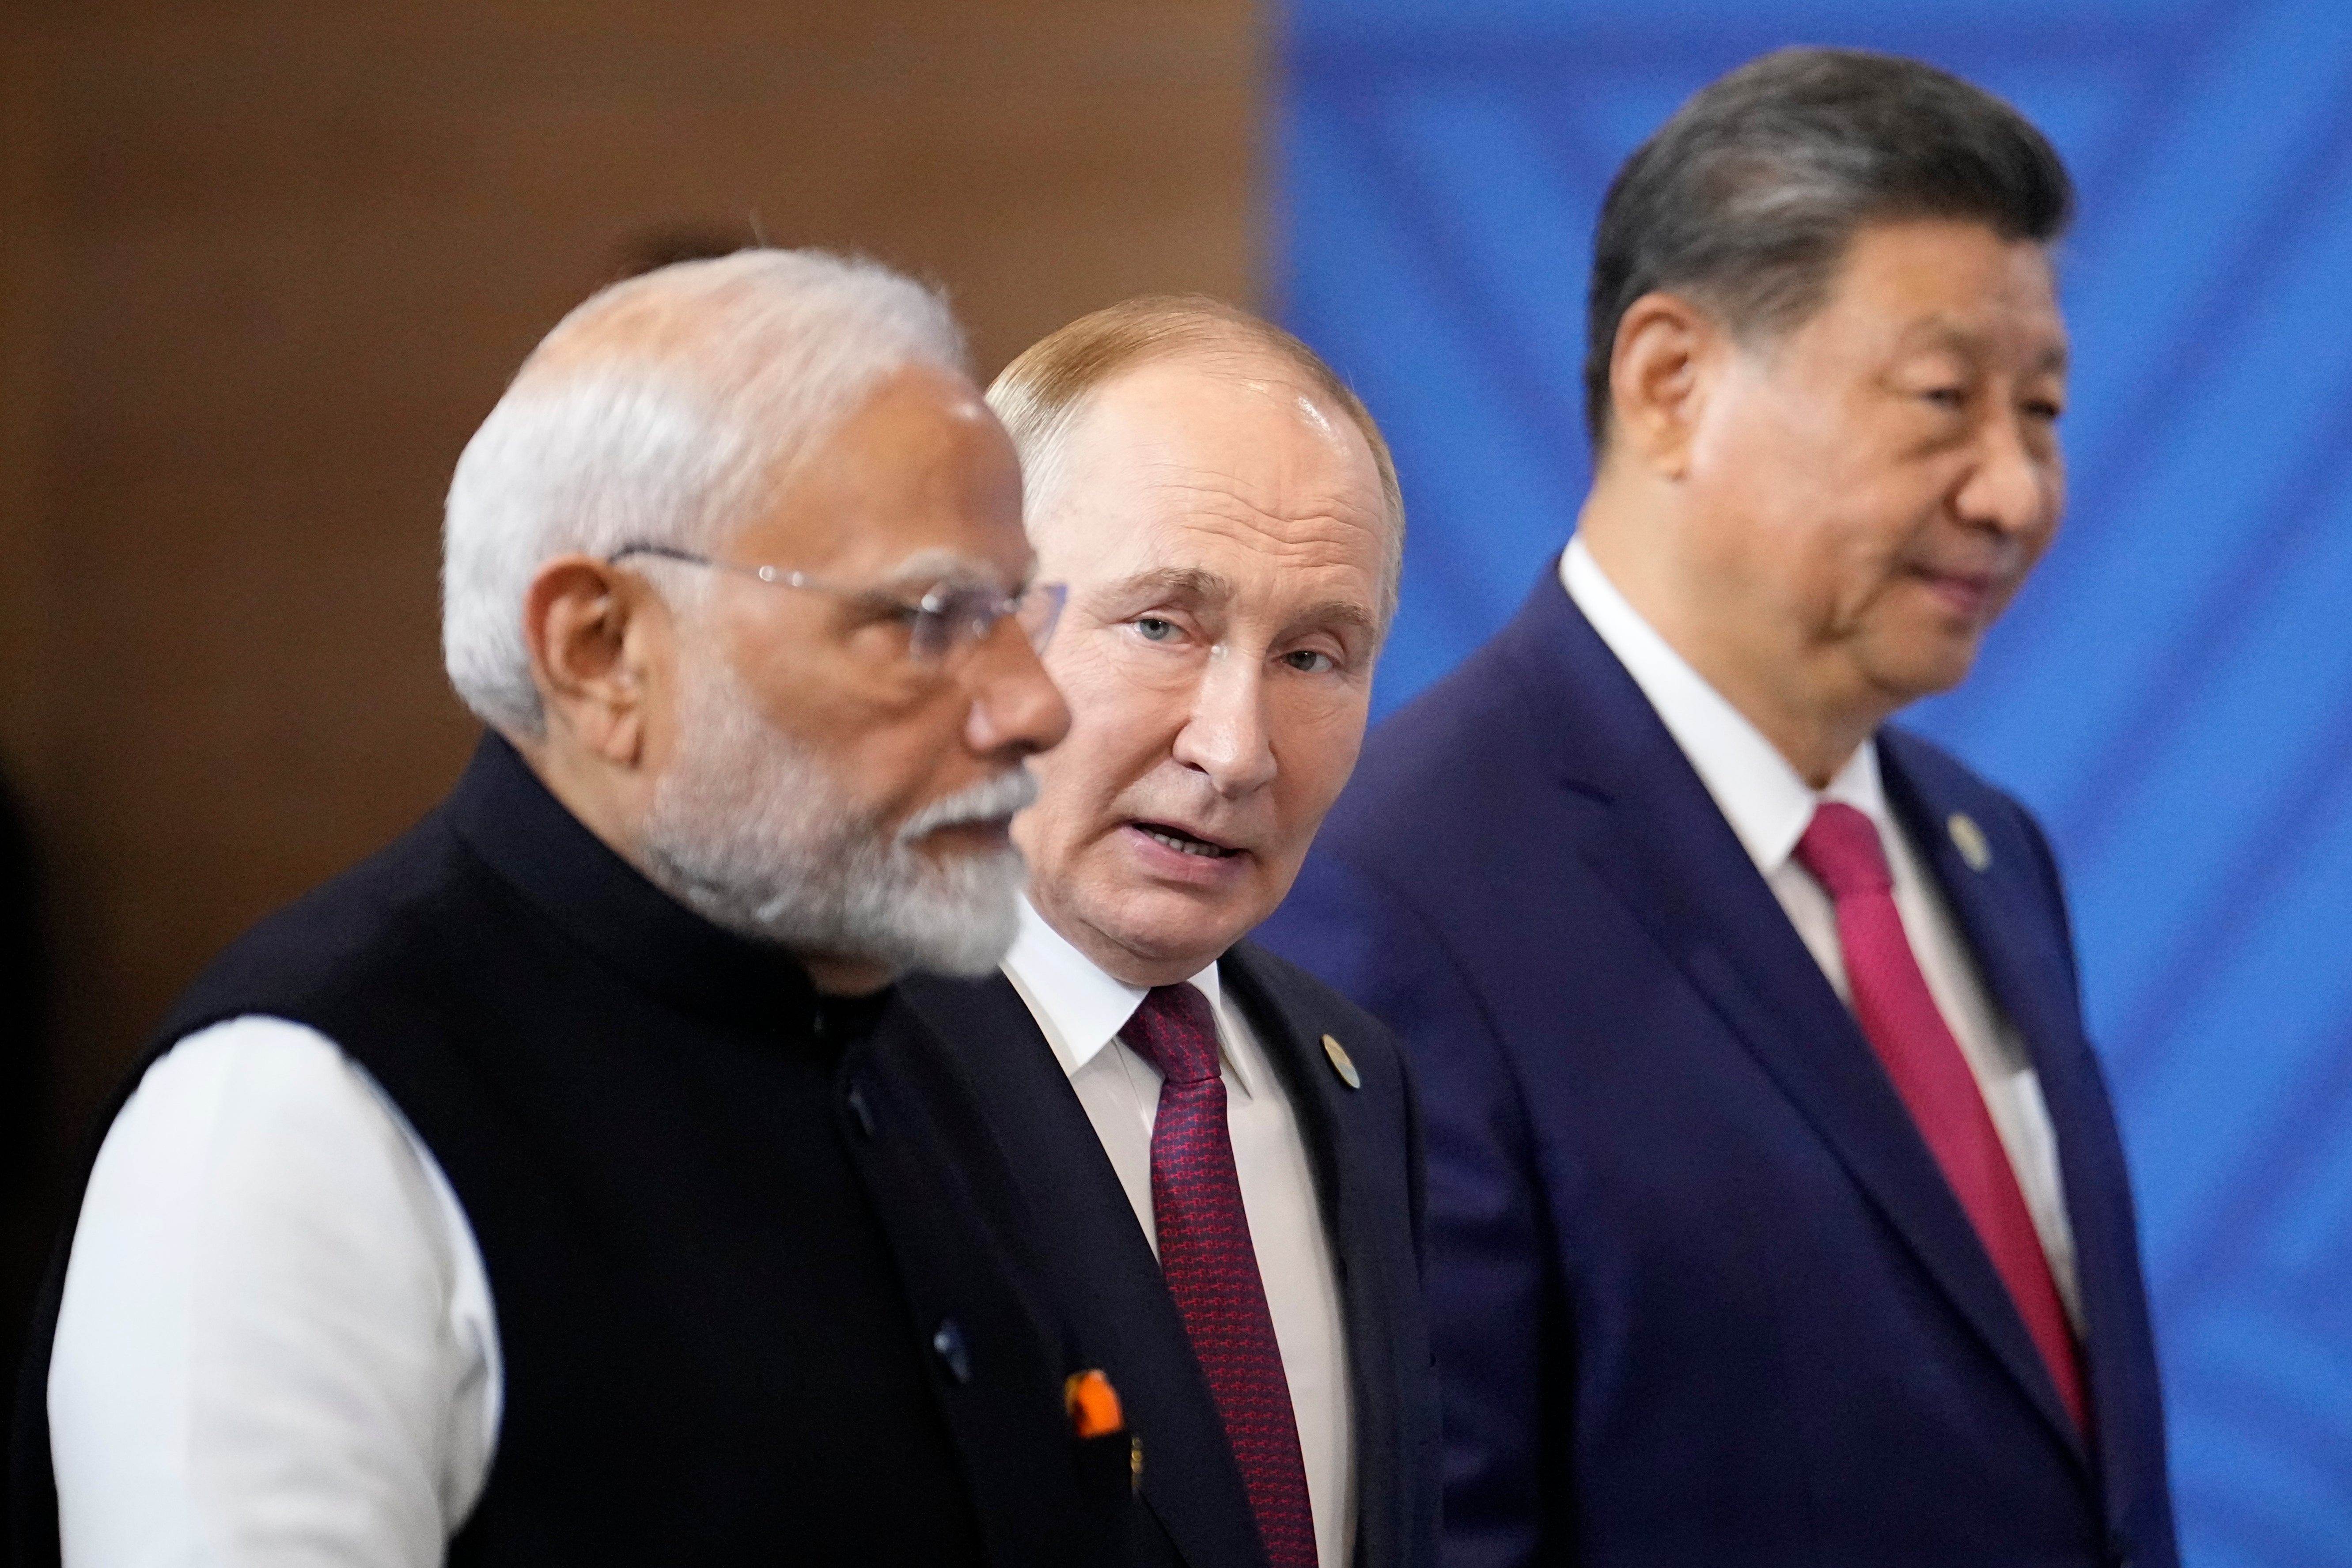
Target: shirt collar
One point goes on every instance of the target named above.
(1081, 1008)
(1767, 802)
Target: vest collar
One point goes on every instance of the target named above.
(506, 816)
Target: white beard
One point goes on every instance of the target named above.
(749, 829)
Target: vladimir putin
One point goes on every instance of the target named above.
(1224, 1149)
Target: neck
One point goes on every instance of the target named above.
(1731, 646)
(837, 976)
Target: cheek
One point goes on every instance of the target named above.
(1119, 733)
(1762, 515)
(1082, 670)
(899, 764)
(2053, 509)
(1838, 532)
(1318, 753)
(804, 687)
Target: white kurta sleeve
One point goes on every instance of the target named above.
(276, 1343)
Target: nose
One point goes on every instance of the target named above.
(1226, 736)
(2017, 482)
(1016, 710)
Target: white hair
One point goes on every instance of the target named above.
(749, 828)
(661, 412)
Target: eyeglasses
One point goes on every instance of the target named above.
(947, 618)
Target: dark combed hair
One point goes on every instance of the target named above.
(1744, 202)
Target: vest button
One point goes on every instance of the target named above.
(948, 1342)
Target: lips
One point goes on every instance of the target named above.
(1969, 593)
(1183, 841)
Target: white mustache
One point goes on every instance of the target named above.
(991, 800)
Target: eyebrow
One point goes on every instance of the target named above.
(939, 565)
(1174, 581)
(1337, 612)
(1197, 583)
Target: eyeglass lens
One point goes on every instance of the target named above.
(963, 617)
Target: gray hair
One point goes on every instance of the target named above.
(663, 411)
(1745, 199)
(750, 828)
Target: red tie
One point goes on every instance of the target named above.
(1212, 1268)
(1892, 1003)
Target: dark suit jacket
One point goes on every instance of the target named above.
(1700, 1293)
(764, 1290)
(1365, 1147)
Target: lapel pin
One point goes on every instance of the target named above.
(1969, 841)
(1341, 1064)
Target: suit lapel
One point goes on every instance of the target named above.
(1330, 1117)
(1998, 909)
(1103, 1265)
(1638, 815)
(2033, 991)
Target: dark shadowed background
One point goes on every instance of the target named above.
(263, 268)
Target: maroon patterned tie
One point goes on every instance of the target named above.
(1212, 1268)
(1898, 1011)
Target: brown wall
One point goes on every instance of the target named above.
(264, 265)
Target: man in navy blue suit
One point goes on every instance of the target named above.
(1777, 1211)
(1222, 1148)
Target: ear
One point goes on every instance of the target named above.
(599, 637)
(1657, 381)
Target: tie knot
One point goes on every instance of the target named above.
(1841, 849)
(1175, 1031)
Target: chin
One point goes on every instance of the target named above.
(1175, 930)
(1929, 673)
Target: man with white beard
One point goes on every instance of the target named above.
(565, 1183)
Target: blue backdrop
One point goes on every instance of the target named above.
(2173, 692)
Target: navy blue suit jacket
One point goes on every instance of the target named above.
(1364, 1146)
(1700, 1293)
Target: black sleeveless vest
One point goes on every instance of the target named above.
(764, 1289)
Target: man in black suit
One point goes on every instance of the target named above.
(565, 1184)
(1224, 1151)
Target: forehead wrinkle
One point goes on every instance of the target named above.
(1199, 497)
(1306, 540)
(1939, 330)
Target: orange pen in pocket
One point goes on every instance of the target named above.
(1093, 1403)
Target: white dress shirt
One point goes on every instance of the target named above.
(1080, 1010)
(275, 1345)
(1769, 805)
